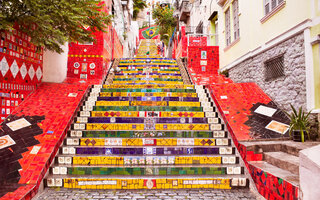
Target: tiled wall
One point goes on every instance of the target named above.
(203, 59)
(181, 44)
(21, 68)
(149, 33)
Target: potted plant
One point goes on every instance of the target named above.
(299, 124)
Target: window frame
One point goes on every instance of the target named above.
(271, 7)
(227, 26)
(236, 26)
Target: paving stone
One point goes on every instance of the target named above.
(51, 194)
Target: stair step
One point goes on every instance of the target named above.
(150, 108)
(171, 114)
(147, 134)
(276, 171)
(147, 142)
(149, 86)
(147, 160)
(138, 120)
(283, 160)
(157, 182)
(147, 150)
(147, 170)
(153, 98)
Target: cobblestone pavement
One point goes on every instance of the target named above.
(192, 194)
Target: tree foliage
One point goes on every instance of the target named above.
(163, 16)
(138, 5)
(51, 23)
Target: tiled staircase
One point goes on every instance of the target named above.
(147, 130)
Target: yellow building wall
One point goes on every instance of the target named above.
(316, 60)
(314, 32)
(213, 31)
(253, 33)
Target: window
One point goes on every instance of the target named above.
(274, 68)
(270, 5)
(227, 24)
(236, 29)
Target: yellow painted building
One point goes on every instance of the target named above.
(258, 36)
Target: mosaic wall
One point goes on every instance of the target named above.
(21, 67)
(203, 59)
(272, 187)
(33, 134)
(149, 33)
(181, 44)
(92, 60)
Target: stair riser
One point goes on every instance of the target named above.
(147, 151)
(283, 164)
(147, 161)
(149, 134)
(165, 183)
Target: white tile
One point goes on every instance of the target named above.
(237, 170)
(235, 182)
(242, 181)
(50, 182)
(65, 150)
(56, 170)
(264, 110)
(79, 133)
(222, 150)
(232, 160)
(76, 141)
(73, 134)
(63, 170)
(225, 160)
(35, 150)
(68, 160)
(69, 141)
(72, 150)
(18, 124)
(229, 170)
(61, 160)
(6, 141)
(58, 182)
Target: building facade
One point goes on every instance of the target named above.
(274, 43)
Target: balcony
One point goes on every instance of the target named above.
(195, 29)
(184, 9)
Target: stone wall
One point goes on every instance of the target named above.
(285, 90)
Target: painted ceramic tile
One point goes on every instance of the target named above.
(18, 124)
